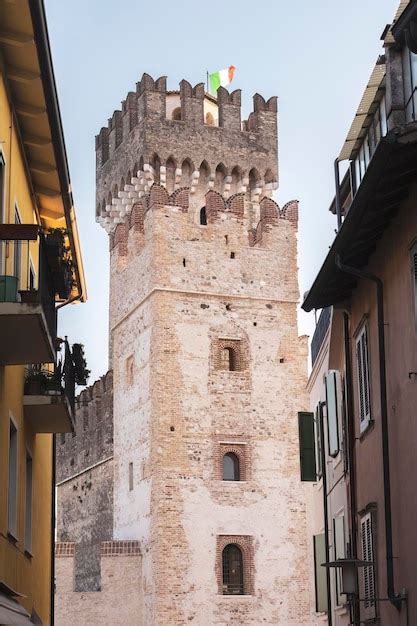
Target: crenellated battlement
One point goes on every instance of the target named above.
(184, 138)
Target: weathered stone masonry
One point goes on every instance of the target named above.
(185, 296)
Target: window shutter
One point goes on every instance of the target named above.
(368, 573)
(332, 404)
(320, 573)
(362, 359)
(414, 278)
(339, 553)
(307, 445)
(318, 442)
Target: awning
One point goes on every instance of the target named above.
(365, 110)
(13, 613)
(391, 171)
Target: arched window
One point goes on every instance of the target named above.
(228, 359)
(176, 113)
(232, 570)
(231, 470)
(203, 216)
(209, 119)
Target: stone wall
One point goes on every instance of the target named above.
(85, 482)
(120, 598)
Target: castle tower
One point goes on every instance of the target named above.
(208, 369)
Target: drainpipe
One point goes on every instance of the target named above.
(337, 194)
(384, 422)
(351, 454)
(53, 523)
(326, 516)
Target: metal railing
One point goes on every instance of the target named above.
(320, 333)
(25, 275)
(53, 380)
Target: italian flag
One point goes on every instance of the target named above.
(222, 78)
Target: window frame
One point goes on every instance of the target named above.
(368, 574)
(339, 548)
(318, 416)
(12, 523)
(333, 447)
(236, 466)
(363, 377)
(28, 543)
(413, 270)
(241, 584)
(320, 579)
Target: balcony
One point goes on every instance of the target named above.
(29, 283)
(320, 333)
(49, 396)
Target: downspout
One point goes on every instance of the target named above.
(53, 525)
(384, 422)
(326, 516)
(351, 453)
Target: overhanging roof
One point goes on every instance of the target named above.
(389, 36)
(25, 60)
(384, 187)
(366, 109)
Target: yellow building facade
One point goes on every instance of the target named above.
(40, 270)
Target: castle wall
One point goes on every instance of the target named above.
(85, 483)
(120, 597)
(172, 420)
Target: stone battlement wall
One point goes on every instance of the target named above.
(148, 142)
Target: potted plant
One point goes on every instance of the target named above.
(41, 381)
(55, 246)
(80, 364)
(29, 296)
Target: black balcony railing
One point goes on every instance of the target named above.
(25, 273)
(56, 380)
(320, 333)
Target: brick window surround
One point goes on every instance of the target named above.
(245, 543)
(240, 449)
(237, 347)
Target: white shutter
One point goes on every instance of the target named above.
(368, 573)
(333, 396)
(362, 361)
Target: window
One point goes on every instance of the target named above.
(332, 404)
(339, 553)
(28, 504)
(2, 205)
(232, 561)
(131, 476)
(203, 216)
(231, 467)
(362, 363)
(319, 545)
(368, 590)
(413, 259)
(12, 481)
(228, 359)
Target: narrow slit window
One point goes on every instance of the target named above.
(203, 216)
(28, 503)
(12, 481)
(131, 476)
(228, 359)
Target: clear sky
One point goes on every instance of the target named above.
(316, 56)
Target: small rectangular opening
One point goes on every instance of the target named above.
(130, 476)
(232, 255)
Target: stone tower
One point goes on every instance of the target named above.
(208, 368)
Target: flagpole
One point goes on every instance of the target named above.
(207, 82)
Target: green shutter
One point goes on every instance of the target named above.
(320, 573)
(307, 446)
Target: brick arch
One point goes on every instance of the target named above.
(245, 544)
(269, 211)
(241, 452)
(236, 204)
(180, 198)
(137, 217)
(214, 204)
(158, 197)
(290, 211)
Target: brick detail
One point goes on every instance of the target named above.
(269, 213)
(64, 548)
(240, 350)
(120, 548)
(137, 217)
(120, 239)
(214, 205)
(232, 443)
(158, 197)
(236, 204)
(245, 543)
(180, 198)
(290, 211)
